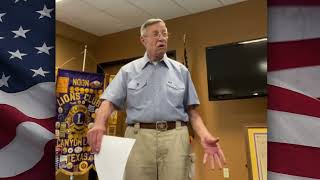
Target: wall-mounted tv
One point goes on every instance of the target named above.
(237, 70)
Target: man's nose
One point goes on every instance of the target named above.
(162, 37)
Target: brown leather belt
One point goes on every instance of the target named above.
(160, 125)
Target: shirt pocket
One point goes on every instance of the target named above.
(136, 89)
(175, 93)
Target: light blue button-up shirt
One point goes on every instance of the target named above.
(152, 92)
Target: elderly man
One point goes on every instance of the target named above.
(160, 99)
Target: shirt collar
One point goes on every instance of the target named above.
(146, 60)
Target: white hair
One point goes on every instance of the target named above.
(149, 22)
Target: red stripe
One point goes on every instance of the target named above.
(11, 118)
(293, 2)
(44, 169)
(285, 55)
(294, 159)
(281, 99)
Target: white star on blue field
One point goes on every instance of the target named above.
(27, 44)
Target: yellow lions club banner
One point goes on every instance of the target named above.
(77, 99)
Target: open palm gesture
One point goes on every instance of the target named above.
(213, 152)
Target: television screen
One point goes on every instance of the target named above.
(237, 70)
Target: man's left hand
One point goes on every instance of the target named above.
(213, 152)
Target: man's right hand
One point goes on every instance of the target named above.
(96, 133)
(94, 137)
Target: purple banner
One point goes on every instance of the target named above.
(77, 99)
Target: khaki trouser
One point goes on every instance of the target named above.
(159, 155)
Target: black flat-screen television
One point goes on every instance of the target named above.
(237, 70)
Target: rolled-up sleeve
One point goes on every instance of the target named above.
(190, 97)
(116, 91)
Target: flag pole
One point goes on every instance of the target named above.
(84, 58)
(185, 52)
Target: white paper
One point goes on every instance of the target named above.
(111, 161)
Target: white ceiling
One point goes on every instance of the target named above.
(101, 17)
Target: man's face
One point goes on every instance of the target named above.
(155, 39)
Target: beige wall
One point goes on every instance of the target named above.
(225, 119)
(70, 44)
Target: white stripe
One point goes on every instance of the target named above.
(293, 23)
(36, 102)
(307, 81)
(293, 128)
(278, 176)
(25, 150)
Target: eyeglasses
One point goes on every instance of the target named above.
(157, 34)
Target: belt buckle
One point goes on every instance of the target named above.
(161, 125)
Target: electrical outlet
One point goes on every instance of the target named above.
(226, 173)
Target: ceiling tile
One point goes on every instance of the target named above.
(127, 13)
(164, 9)
(87, 18)
(198, 6)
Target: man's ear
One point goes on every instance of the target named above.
(142, 40)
